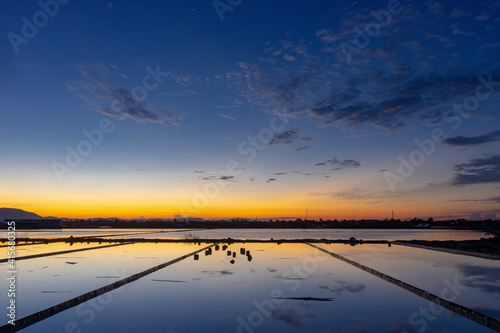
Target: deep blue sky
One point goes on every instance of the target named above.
(337, 109)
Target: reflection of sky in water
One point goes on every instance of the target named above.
(427, 269)
(214, 294)
(32, 249)
(485, 281)
(44, 282)
(389, 234)
(53, 233)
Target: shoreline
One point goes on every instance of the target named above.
(486, 248)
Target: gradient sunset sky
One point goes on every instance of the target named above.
(250, 108)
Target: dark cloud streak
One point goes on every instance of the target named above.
(340, 164)
(285, 138)
(397, 81)
(472, 140)
(477, 171)
(115, 101)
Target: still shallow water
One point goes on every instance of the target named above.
(388, 234)
(385, 234)
(100, 232)
(476, 280)
(212, 294)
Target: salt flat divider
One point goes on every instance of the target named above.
(62, 252)
(94, 238)
(200, 240)
(78, 238)
(463, 311)
(135, 233)
(17, 245)
(489, 256)
(49, 312)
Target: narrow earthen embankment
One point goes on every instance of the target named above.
(454, 307)
(44, 314)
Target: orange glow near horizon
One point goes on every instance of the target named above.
(241, 211)
(282, 202)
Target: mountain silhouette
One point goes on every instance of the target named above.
(14, 213)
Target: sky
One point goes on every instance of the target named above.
(250, 109)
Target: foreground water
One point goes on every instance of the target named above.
(257, 287)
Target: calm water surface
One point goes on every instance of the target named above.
(386, 234)
(258, 287)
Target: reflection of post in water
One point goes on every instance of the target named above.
(229, 253)
(456, 308)
(243, 252)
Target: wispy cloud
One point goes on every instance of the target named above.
(477, 171)
(482, 17)
(327, 36)
(301, 149)
(217, 177)
(405, 90)
(306, 139)
(288, 316)
(457, 31)
(370, 196)
(340, 287)
(486, 279)
(492, 199)
(285, 138)
(298, 172)
(340, 164)
(472, 140)
(115, 101)
(226, 116)
(376, 100)
(355, 193)
(458, 13)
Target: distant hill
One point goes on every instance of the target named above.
(14, 213)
